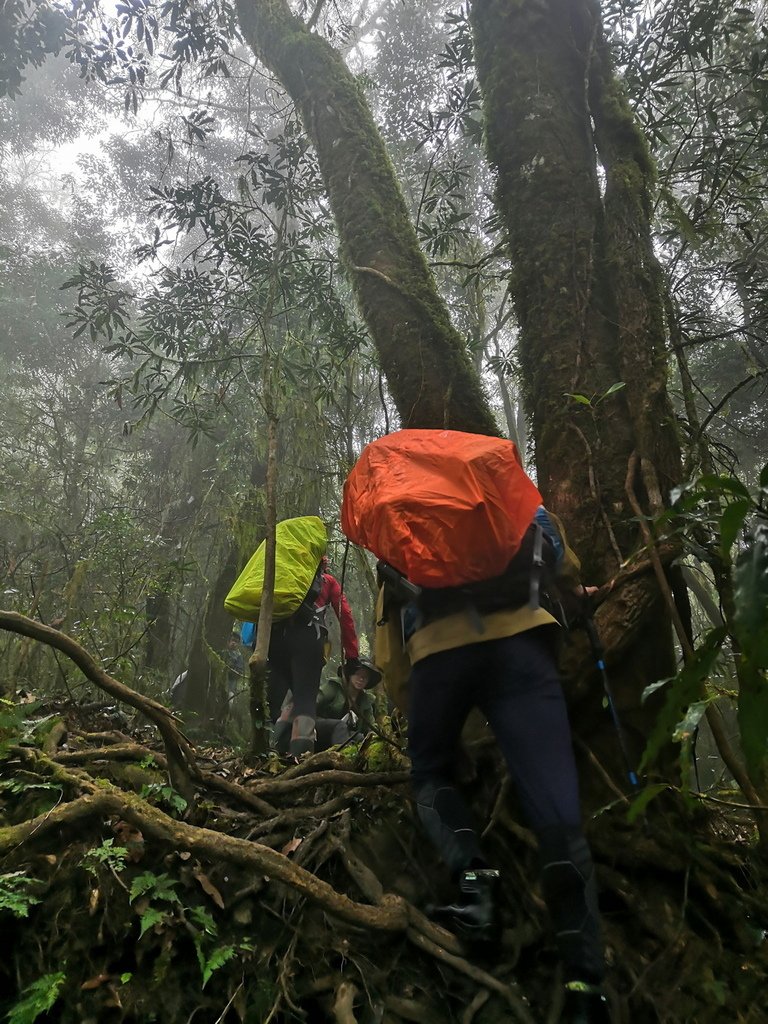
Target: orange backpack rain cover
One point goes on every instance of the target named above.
(443, 507)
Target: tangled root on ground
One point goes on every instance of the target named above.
(293, 893)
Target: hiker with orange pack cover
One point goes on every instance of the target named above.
(472, 568)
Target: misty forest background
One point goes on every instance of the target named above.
(239, 243)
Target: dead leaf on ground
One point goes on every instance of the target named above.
(289, 847)
(131, 838)
(95, 982)
(209, 888)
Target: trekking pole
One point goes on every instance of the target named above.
(598, 652)
(343, 578)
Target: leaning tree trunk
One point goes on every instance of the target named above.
(258, 662)
(424, 358)
(206, 682)
(574, 180)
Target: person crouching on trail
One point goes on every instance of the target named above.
(298, 649)
(345, 708)
(504, 662)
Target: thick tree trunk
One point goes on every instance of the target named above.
(428, 370)
(158, 646)
(574, 180)
(257, 665)
(587, 292)
(206, 683)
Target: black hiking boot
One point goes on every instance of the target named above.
(473, 917)
(584, 1004)
(281, 735)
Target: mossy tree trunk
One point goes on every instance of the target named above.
(574, 182)
(425, 360)
(206, 683)
(257, 664)
(206, 690)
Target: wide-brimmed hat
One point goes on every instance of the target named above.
(353, 664)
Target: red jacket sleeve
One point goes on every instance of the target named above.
(331, 594)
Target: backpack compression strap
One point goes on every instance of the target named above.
(537, 567)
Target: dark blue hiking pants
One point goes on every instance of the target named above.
(515, 683)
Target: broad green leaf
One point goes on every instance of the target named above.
(641, 801)
(653, 687)
(686, 688)
(581, 399)
(731, 521)
(690, 722)
(723, 483)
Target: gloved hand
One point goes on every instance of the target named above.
(350, 720)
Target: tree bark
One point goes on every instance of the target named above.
(587, 291)
(206, 693)
(425, 360)
(574, 181)
(257, 665)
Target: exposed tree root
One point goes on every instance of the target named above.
(316, 925)
(181, 759)
(280, 787)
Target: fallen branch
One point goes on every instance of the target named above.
(137, 752)
(181, 759)
(117, 752)
(297, 814)
(237, 792)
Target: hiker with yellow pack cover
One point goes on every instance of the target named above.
(304, 589)
(468, 560)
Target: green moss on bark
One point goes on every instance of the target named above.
(586, 287)
(424, 358)
(587, 292)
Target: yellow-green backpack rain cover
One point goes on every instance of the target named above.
(299, 545)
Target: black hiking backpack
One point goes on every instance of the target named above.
(529, 578)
